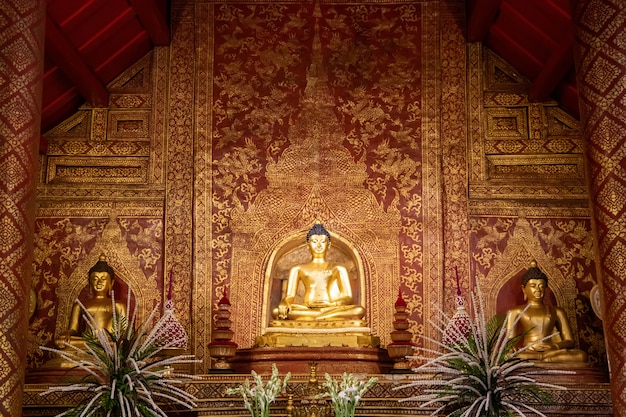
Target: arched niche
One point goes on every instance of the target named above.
(501, 286)
(128, 273)
(77, 287)
(293, 250)
(505, 288)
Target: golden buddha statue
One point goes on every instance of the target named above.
(99, 306)
(538, 321)
(318, 307)
(327, 289)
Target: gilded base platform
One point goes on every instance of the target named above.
(298, 339)
(63, 374)
(565, 373)
(340, 333)
(328, 325)
(297, 360)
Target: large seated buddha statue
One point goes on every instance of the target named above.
(318, 276)
(318, 301)
(538, 321)
(100, 306)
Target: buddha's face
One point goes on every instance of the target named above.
(100, 283)
(318, 244)
(535, 289)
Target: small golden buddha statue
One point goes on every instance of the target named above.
(99, 306)
(319, 276)
(538, 320)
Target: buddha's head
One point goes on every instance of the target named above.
(317, 229)
(318, 240)
(101, 278)
(534, 273)
(534, 283)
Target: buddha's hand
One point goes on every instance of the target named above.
(283, 310)
(64, 337)
(543, 347)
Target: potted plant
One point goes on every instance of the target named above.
(474, 369)
(126, 371)
(258, 397)
(346, 394)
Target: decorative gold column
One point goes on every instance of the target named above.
(21, 68)
(601, 64)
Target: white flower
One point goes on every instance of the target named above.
(257, 398)
(346, 395)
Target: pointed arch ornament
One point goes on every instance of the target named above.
(126, 267)
(522, 249)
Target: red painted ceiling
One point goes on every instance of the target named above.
(91, 42)
(536, 37)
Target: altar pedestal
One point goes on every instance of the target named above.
(564, 373)
(59, 375)
(383, 399)
(297, 359)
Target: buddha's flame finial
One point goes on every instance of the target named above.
(224, 300)
(400, 301)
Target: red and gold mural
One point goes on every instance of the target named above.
(261, 118)
(289, 78)
(21, 70)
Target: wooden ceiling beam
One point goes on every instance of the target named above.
(60, 51)
(153, 16)
(558, 65)
(481, 17)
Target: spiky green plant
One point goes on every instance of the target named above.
(127, 374)
(346, 394)
(257, 398)
(478, 372)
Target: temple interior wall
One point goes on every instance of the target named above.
(419, 149)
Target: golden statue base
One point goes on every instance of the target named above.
(59, 363)
(321, 325)
(317, 340)
(341, 333)
(54, 371)
(567, 372)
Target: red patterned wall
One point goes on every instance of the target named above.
(372, 58)
(237, 85)
(21, 67)
(601, 63)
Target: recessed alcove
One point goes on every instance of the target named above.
(292, 251)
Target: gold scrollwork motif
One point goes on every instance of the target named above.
(508, 129)
(332, 191)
